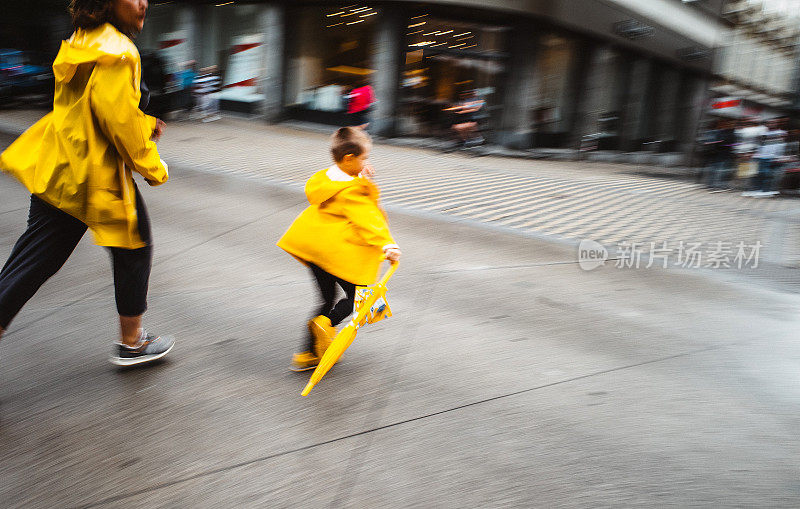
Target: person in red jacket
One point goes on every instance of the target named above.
(358, 107)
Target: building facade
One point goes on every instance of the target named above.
(631, 76)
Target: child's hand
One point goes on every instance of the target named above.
(392, 254)
(368, 171)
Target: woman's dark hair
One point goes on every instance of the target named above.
(89, 14)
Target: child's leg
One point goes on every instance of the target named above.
(345, 306)
(327, 290)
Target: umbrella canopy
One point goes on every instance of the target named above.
(363, 314)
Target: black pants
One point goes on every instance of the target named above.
(326, 283)
(50, 239)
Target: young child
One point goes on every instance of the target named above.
(342, 237)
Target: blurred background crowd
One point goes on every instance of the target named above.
(759, 157)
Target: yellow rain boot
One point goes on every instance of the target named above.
(304, 361)
(323, 332)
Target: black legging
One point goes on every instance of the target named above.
(46, 245)
(327, 288)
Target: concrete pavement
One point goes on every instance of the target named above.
(508, 376)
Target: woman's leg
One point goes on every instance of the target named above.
(39, 253)
(132, 277)
(131, 280)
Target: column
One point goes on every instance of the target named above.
(667, 104)
(622, 79)
(582, 53)
(596, 93)
(188, 21)
(633, 126)
(208, 43)
(697, 94)
(516, 122)
(271, 23)
(387, 62)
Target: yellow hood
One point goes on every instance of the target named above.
(320, 188)
(104, 45)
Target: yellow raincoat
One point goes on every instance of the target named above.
(80, 157)
(343, 231)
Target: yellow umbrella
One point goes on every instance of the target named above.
(366, 312)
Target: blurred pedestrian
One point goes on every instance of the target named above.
(770, 156)
(748, 137)
(359, 104)
(721, 157)
(77, 162)
(791, 180)
(750, 134)
(342, 237)
(467, 115)
(185, 79)
(206, 86)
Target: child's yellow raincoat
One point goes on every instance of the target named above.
(343, 231)
(79, 157)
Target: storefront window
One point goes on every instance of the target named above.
(551, 101)
(161, 19)
(332, 51)
(448, 62)
(235, 25)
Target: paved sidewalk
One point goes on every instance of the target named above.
(507, 377)
(613, 204)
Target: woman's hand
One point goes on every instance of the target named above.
(159, 130)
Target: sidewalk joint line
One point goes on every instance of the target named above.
(262, 459)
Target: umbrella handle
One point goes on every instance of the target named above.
(389, 273)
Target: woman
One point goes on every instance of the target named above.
(77, 162)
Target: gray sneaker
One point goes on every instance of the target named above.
(150, 348)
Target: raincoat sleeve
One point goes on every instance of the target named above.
(369, 220)
(115, 104)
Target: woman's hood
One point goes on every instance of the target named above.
(104, 44)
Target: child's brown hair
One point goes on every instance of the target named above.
(349, 140)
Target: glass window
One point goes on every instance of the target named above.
(448, 63)
(553, 66)
(331, 56)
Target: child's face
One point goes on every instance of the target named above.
(353, 165)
